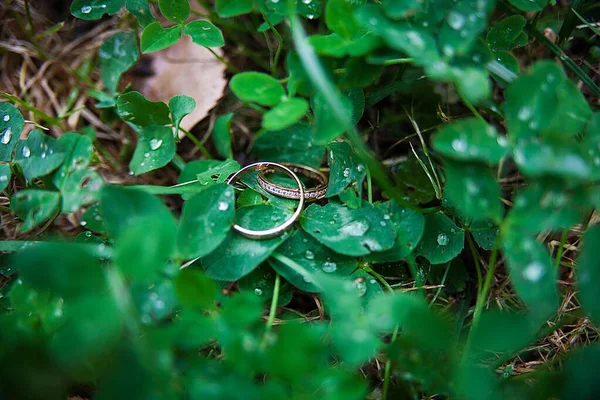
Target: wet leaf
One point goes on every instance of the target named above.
(222, 135)
(134, 108)
(155, 37)
(588, 274)
(78, 152)
(503, 34)
(5, 175)
(155, 148)
(204, 33)
(231, 8)
(35, 206)
(118, 53)
(345, 168)
(175, 10)
(141, 10)
(81, 188)
(257, 87)
(38, 155)
(442, 240)
(90, 10)
(180, 106)
(326, 125)
(11, 125)
(285, 114)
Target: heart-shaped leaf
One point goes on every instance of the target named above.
(141, 10)
(11, 125)
(347, 231)
(134, 108)
(175, 10)
(285, 114)
(204, 33)
(231, 8)
(38, 155)
(118, 53)
(502, 35)
(205, 221)
(345, 168)
(35, 206)
(5, 174)
(442, 240)
(257, 87)
(90, 10)
(81, 188)
(155, 148)
(155, 37)
(180, 106)
(222, 135)
(78, 151)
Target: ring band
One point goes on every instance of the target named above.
(270, 166)
(310, 194)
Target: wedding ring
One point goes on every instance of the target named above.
(261, 167)
(310, 194)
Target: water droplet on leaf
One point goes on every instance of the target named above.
(443, 239)
(309, 255)
(329, 267)
(223, 206)
(86, 9)
(155, 144)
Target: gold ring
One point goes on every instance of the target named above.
(310, 194)
(271, 166)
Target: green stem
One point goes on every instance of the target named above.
(279, 46)
(475, 256)
(369, 187)
(472, 109)
(561, 249)
(437, 293)
(97, 250)
(39, 113)
(273, 309)
(178, 162)
(188, 187)
(197, 143)
(481, 298)
(229, 66)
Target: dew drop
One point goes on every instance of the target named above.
(346, 172)
(6, 136)
(310, 16)
(146, 155)
(382, 223)
(258, 291)
(443, 239)
(456, 20)
(274, 1)
(6, 118)
(332, 222)
(459, 145)
(306, 279)
(26, 152)
(3, 178)
(223, 206)
(307, 1)
(155, 144)
(329, 267)
(86, 9)
(533, 272)
(525, 113)
(355, 228)
(309, 255)
(387, 217)
(361, 287)
(360, 168)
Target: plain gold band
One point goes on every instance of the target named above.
(310, 194)
(278, 230)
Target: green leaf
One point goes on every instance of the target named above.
(472, 82)
(588, 274)
(294, 144)
(547, 205)
(134, 108)
(78, 152)
(121, 208)
(403, 8)
(141, 10)
(205, 221)
(568, 160)
(508, 60)
(221, 170)
(35, 206)
(141, 256)
(195, 290)
(312, 257)
(258, 88)
(346, 231)
(340, 19)
(261, 282)
(474, 190)
(11, 125)
(90, 10)
(238, 256)
(285, 114)
(175, 10)
(180, 106)
(93, 220)
(464, 22)
(204, 33)
(222, 135)
(484, 233)
(155, 37)
(118, 53)
(105, 100)
(155, 148)
(591, 140)
(326, 126)
(502, 35)
(442, 240)
(5, 175)
(231, 8)
(79, 189)
(345, 168)
(309, 9)
(409, 226)
(470, 140)
(579, 372)
(206, 169)
(529, 5)
(38, 155)
(532, 273)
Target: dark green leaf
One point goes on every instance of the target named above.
(340, 19)
(294, 144)
(79, 189)
(78, 151)
(532, 273)
(118, 53)
(409, 226)
(350, 232)
(155, 148)
(474, 190)
(155, 37)
(345, 168)
(326, 125)
(529, 5)
(195, 290)
(35, 206)
(579, 372)
(175, 10)
(261, 282)
(471, 140)
(588, 274)
(258, 88)
(231, 8)
(484, 233)
(442, 240)
(503, 34)
(94, 9)
(221, 170)
(141, 10)
(237, 256)
(134, 108)
(204, 33)
(180, 106)
(93, 220)
(205, 220)
(402, 8)
(312, 257)
(508, 60)
(285, 114)
(4, 176)
(11, 125)
(38, 155)
(222, 135)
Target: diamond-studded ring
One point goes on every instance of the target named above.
(268, 166)
(310, 194)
